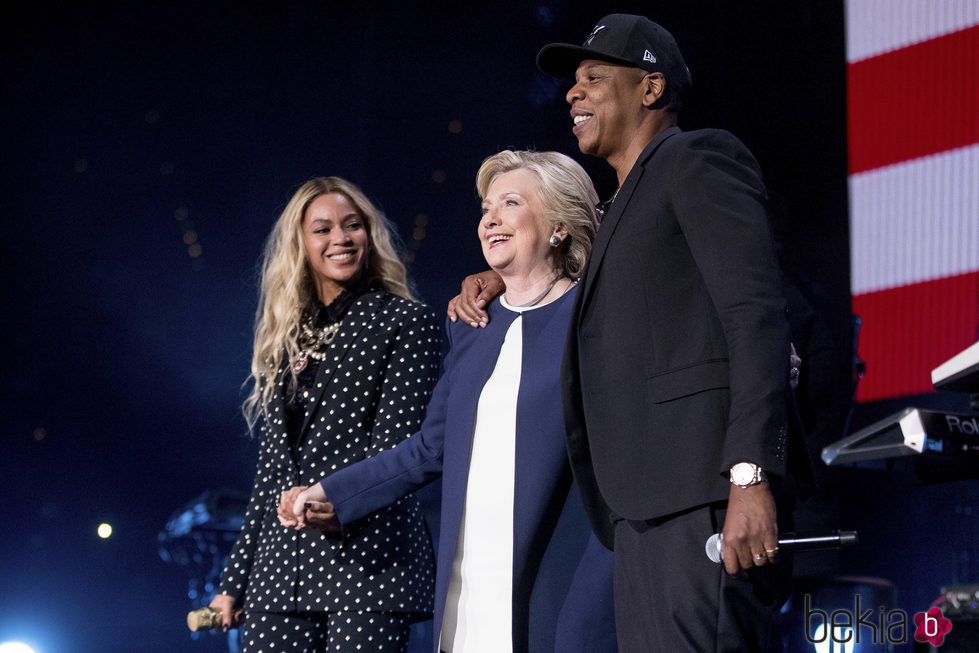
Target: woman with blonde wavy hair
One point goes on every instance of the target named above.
(343, 364)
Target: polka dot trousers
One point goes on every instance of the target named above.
(325, 632)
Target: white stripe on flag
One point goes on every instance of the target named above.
(877, 26)
(915, 221)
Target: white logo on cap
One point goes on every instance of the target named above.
(594, 32)
(649, 56)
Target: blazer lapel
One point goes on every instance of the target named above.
(356, 320)
(278, 439)
(611, 221)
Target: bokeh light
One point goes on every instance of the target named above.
(104, 531)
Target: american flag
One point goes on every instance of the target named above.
(913, 134)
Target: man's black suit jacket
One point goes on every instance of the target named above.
(676, 361)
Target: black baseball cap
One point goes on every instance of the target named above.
(624, 39)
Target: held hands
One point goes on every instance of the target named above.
(305, 507)
(321, 516)
(286, 501)
(477, 291)
(750, 532)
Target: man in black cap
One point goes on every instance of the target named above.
(675, 384)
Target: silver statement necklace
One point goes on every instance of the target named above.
(313, 343)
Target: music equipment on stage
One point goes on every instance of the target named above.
(959, 601)
(945, 445)
(960, 372)
(205, 618)
(910, 432)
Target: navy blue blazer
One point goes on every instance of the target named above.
(542, 475)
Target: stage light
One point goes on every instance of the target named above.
(105, 532)
(15, 647)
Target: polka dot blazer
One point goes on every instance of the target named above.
(369, 394)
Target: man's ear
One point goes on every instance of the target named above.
(654, 89)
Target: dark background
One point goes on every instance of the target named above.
(147, 150)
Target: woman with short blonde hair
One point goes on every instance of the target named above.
(566, 193)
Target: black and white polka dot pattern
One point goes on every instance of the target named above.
(326, 632)
(369, 394)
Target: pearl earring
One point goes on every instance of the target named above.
(554, 241)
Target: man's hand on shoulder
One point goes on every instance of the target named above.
(477, 291)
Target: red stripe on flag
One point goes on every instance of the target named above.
(910, 330)
(914, 101)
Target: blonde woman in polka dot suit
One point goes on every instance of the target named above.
(344, 363)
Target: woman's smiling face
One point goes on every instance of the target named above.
(513, 230)
(336, 243)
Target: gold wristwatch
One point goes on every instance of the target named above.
(747, 474)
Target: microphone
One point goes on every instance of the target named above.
(791, 541)
(205, 618)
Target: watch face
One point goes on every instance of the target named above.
(742, 473)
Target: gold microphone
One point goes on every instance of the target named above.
(204, 618)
